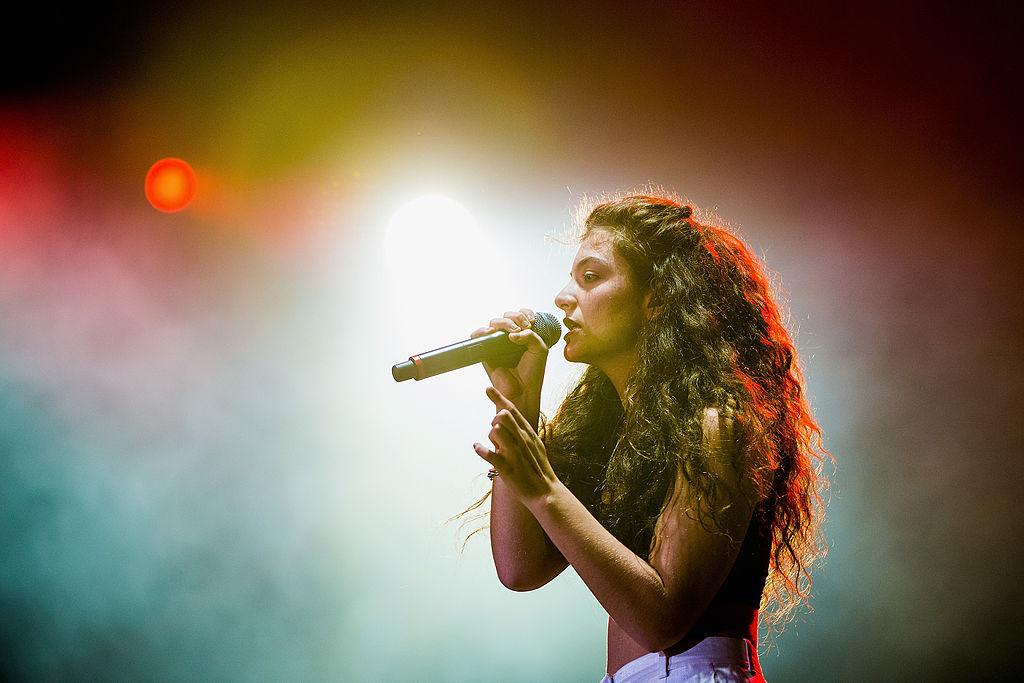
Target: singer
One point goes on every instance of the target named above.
(682, 476)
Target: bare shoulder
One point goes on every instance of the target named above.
(721, 434)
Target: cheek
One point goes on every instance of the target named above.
(621, 318)
(611, 310)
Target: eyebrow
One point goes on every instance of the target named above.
(589, 258)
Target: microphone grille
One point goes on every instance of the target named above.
(548, 328)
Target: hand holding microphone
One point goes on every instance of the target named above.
(521, 382)
(502, 344)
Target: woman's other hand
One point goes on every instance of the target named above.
(519, 455)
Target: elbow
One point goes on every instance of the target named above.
(518, 581)
(520, 575)
(519, 587)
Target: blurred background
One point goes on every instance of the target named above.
(206, 469)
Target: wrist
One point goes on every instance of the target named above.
(532, 405)
(546, 498)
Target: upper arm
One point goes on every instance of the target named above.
(691, 560)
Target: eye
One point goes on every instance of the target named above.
(589, 276)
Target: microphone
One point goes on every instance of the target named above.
(495, 348)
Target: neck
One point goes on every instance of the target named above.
(619, 371)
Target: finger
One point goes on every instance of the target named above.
(484, 452)
(497, 398)
(504, 419)
(516, 439)
(519, 318)
(506, 324)
(509, 434)
(530, 315)
(480, 331)
(507, 406)
(502, 438)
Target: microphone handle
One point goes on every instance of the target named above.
(494, 348)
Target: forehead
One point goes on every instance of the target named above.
(598, 244)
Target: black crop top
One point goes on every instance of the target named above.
(745, 581)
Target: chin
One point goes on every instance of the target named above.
(572, 355)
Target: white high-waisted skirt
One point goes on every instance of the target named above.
(712, 660)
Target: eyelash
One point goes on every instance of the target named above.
(587, 274)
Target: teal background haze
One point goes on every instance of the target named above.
(206, 470)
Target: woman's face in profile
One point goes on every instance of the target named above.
(603, 306)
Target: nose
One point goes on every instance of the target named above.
(565, 300)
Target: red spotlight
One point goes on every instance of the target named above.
(170, 185)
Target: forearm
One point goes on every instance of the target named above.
(524, 556)
(628, 588)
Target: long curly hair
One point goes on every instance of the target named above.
(716, 340)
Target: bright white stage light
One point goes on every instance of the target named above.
(439, 260)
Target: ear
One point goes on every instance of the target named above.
(649, 310)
